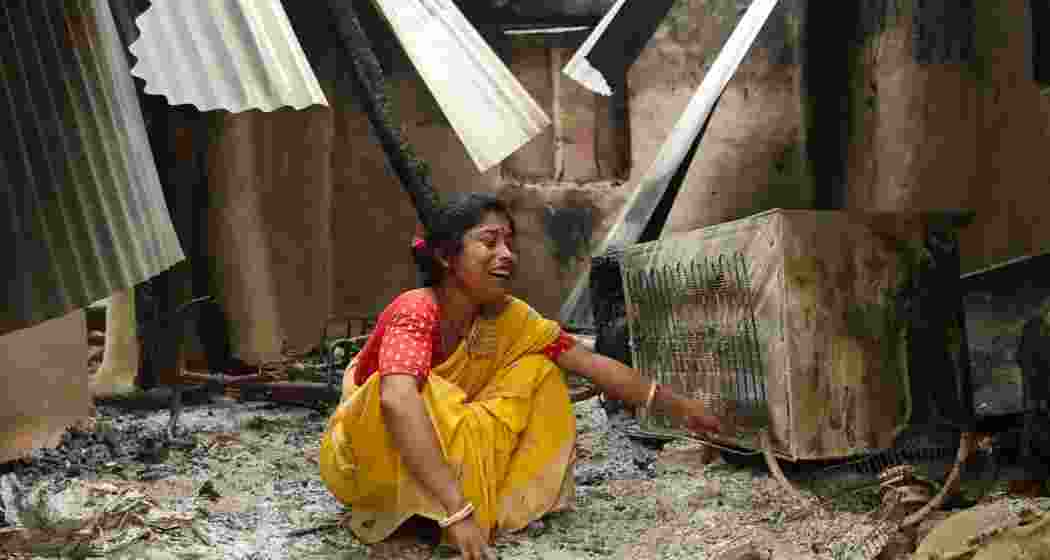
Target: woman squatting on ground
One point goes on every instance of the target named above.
(457, 410)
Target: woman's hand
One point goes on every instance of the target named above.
(624, 383)
(694, 415)
(470, 540)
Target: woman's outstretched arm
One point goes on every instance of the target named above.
(624, 383)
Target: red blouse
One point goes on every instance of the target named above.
(406, 339)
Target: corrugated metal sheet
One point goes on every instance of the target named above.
(224, 54)
(677, 150)
(85, 214)
(615, 44)
(580, 68)
(689, 127)
(491, 111)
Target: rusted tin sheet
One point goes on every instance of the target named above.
(43, 384)
(828, 338)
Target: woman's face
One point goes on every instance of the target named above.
(486, 265)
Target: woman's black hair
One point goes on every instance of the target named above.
(457, 214)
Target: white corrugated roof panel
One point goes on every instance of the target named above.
(491, 112)
(235, 55)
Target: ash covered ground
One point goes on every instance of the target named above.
(241, 482)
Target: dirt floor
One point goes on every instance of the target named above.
(242, 483)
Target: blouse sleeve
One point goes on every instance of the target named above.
(563, 343)
(408, 343)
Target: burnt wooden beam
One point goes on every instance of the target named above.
(370, 85)
(944, 31)
(1039, 13)
(829, 56)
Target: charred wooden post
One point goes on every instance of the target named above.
(371, 88)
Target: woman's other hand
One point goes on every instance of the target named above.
(468, 537)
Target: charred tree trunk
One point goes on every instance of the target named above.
(370, 86)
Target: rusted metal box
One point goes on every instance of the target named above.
(803, 323)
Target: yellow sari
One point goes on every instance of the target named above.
(502, 413)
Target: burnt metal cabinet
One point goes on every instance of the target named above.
(831, 330)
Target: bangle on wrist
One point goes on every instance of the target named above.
(652, 395)
(457, 517)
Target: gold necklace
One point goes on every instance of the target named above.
(458, 334)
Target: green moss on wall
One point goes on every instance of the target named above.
(859, 90)
(1044, 318)
(677, 21)
(790, 183)
(881, 326)
(905, 8)
(793, 23)
(568, 232)
(683, 16)
(992, 31)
